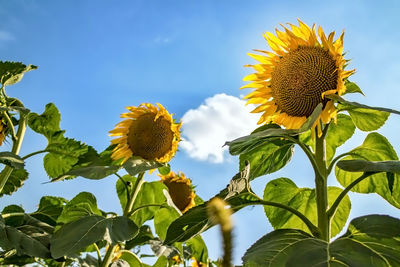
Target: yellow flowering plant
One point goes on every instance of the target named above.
(298, 88)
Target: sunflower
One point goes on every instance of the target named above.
(180, 189)
(293, 79)
(148, 132)
(2, 132)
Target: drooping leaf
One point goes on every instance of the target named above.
(82, 205)
(49, 209)
(268, 157)
(14, 221)
(131, 258)
(74, 236)
(15, 181)
(338, 133)
(47, 123)
(31, 238)
(374, 148)
(237, 195)
(141, 238)
(392, 166)
(372, 240)
(150, 193)
(12, 160)
(284, 191)
(12, 72)
(248, 143)
(136, 165)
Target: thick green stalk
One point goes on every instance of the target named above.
(127, 211)
(321, 187)
(15, 149)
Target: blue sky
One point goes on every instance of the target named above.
(97, 57)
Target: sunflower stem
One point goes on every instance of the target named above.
(15, 149)
(109, 256)
(135, 192)
(321, 187)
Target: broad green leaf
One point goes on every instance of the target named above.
(14, 221)
(150, 193)
(237, 194)
(284, 191)
(267, 158)
(161, 262)
(82, 205)
(12, 160)
(162, 219)
(369, 166)
(92, 165)
(32, 238)
(164, 170)
(352, 88)
(372, 240)
(198, 249)
(136, 165)
(338, 133)
(17, 260)
(47, 123)
(368, 119)
(12, 72)
(65, 153)
(77, 235)
(49, 209)
(14, 182)
(141, 238)
(374, 148)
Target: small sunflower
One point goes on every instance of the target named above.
(180, 189)
(2, 132)
(196, 263)
(293, 79)
(148, 132)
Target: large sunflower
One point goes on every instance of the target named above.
(180, 189)
(293, 79)
(148, 132)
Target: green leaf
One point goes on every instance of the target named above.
(338, 133)
(49, 209)
(31, 238)
(372, 240)
(15, 181)
(391, 166)
(12, 160)
(136, 165)
(374, 148)
(352, 88)
(248, 143)
(164, 170)
(270, 157)
(141, 238)
(82, 205)
(162, 219)
(198, 248)
(161, 262)
(368, 119)
(77, 235)
(130, 258)
(47, 123)
(12, 72)
(150, 193)
(284, 191)
(14, 221)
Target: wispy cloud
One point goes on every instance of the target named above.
(6, 36)
(162, 40)
(206, 129)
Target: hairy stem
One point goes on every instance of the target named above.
(108, 257)
(15, 149)
(134, 193)
(34, 153)
(335, 205)
(321, 187)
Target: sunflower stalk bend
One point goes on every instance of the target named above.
(321, 187)
(5, 174)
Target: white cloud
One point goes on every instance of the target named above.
(206, 129)
(6, 36)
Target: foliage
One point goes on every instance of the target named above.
(65, 232)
